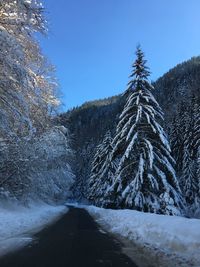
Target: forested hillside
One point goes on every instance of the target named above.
(88, 125)
(178, 95)
(33, 152)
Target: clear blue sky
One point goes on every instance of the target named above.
(92, 42)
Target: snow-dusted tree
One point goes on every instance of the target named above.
(196, 145)
(38, 169)
(178, 129)
(102, 170)
(145, 178)
(189, 179)
(190, 169)
(95, 170)
(198, 179)
(27, 88)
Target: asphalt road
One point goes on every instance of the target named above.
(73, 241)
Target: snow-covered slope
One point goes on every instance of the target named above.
(18, 224)
(171, 234)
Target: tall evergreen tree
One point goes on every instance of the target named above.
(145, 178)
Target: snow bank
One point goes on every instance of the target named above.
(169, 233)
(18, 224)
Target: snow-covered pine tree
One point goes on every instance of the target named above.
(145, 178)
(196, 145)
(178, 129)
(95, 168)
(189, 177)
(196, 117)
(190, 170)
(102, 170)
(198, 183)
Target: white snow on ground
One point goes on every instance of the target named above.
(18, 224)
(172, 234)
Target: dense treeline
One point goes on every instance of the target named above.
(178, 91)
(28, 98)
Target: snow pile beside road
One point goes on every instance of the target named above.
(18, 224)
(172, 234)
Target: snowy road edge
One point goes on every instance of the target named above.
(17, 227)
(150, 248)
